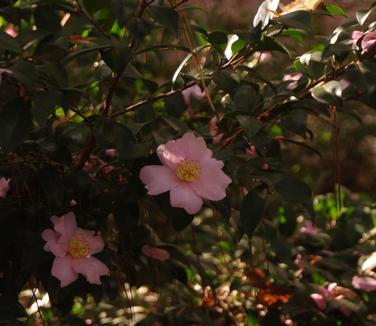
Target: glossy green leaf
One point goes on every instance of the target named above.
(293, 190)
(166, 16)
(15, 124)
(252, 211)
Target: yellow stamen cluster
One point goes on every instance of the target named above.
(188, 171)
(78, 247)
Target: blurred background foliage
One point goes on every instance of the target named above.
(288, 108)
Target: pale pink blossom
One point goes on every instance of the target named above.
(72, 203)
(365, 283)
(251, 152)
(332, 292)
(73, 248)
(11, 31)
(263, 57)
(309, 228)
(4, 71)
(293, 80)
(155, 253)
(214, 131)
(189, 172)
(265, 166)
(367, 40)
(111, 153)
(4, 187)
(192, 93)
(344, 83)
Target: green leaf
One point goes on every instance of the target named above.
(9, 43)
(111, 134)
(362, 15)
(219, 40)
(175, 105)
(329, 93)
(294, 190)
(118, 56)
(96, 5)
(15, 124)
(44, 104)
(296, 121)
(296, 34)
(300, 19)
(271, 44)
(47, 19)
(25, 72)
(166, 16)
(52, 185)
(335, 10)
(138, 27)
(251, 211)
(227, 80)
(250, 125)
(245, 99)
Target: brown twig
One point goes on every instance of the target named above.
(151, 100)
(91, 20)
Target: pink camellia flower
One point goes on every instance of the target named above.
(366, 283)
(333, 292)
(293, 80)
(4, 187)
(309, 228)
(72, 203)
(11, 31)
(4, 71)
(197, 94)
(73, 248)
(155, 253)
(214, 131)
(110, 152)
(189, 172)
(367, 41)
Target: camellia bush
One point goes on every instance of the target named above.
(145, 165)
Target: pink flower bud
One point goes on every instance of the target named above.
(4, 187)
(111, 152)
(155, 253)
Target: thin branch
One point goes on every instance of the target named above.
(152, 99)
(179, 3)
(91, 20)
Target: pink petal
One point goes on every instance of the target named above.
(95, 242)
(194, 147)
(91, 268)
(155, 253)
(368, 40)
(367, 284)
(184, 197)
(66, 225)
(369, 263)
(319, 300)
(62, 270)
(171, 154)
(57, 248)
(158, 179)
(212, 183)
(110, 152)
(49, 235)
(356, 35)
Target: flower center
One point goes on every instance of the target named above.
(78, 247)
(188, 171)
